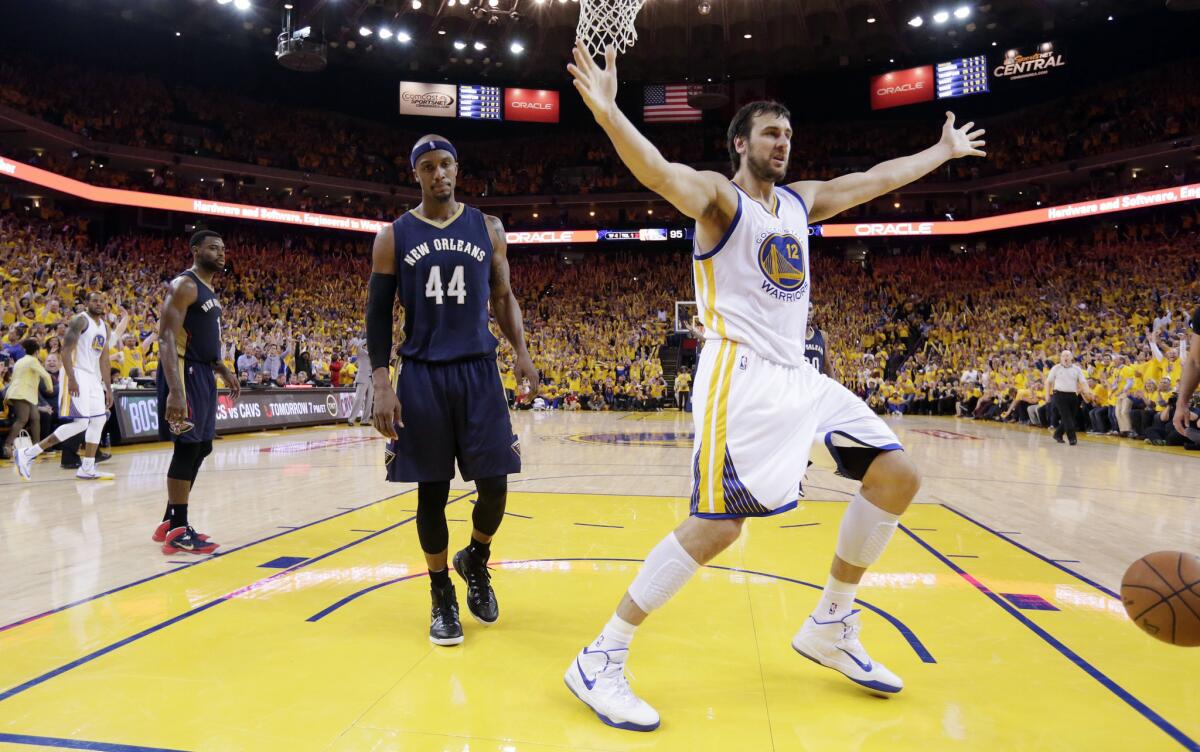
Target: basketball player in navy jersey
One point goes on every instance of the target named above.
(447, 261)
(815, 351)
(189, 332)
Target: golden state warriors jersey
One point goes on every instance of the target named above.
(752, 288)
(90, 345)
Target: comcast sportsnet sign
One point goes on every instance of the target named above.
(902, 87)
(531, 105)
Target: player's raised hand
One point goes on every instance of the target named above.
(597, 86)
(962, 142)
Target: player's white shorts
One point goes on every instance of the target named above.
(89, 403)
(755, 423)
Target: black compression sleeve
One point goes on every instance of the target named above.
(381, 295)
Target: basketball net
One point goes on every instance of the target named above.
(605, 22)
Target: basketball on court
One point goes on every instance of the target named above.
(1161, 593)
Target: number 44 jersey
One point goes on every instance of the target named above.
(443, 272)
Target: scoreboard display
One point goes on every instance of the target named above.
(481, 102)
(962, 77)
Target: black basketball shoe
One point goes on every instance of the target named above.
(444, 627)
(481, 600)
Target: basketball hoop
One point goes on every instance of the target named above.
(605, 22)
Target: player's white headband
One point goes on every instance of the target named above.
(429, 146)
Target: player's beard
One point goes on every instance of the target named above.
(210, 266)
(764, 170)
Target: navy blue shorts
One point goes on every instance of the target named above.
(200, 390)
(452, 411)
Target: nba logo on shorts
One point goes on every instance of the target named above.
(744, 363)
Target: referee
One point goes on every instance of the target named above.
(1063, 385)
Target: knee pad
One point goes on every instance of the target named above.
(865, 532)
(184, 462)
(95, 429)
(489, 509)
(69, 430)
(432, 529)
(667, 569)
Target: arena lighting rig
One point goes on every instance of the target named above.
(246, 212)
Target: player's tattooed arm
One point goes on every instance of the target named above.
(507, 310)
(182, 293)
(831, 197)
(74, 329)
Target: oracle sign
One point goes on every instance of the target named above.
(902, 87)
(552, 236)
(531, 105)
(894, 228)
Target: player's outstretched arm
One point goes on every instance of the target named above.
(695, 194)
(506, 308)
(381, 297)
(831, 197)
(1189, 379)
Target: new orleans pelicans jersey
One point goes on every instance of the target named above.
(753, 287)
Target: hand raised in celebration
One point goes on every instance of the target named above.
(597, 86)
(962, 142)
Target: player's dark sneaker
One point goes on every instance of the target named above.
(185, 540)
(164, 527)
(444, 626)
(481, 600)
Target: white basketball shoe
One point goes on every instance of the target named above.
(835, 645)
(23, 462)
(92, 474)
(600, 683)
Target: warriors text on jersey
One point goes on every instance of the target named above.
(753, 287)
(443, 272)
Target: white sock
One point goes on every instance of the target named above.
(88, 464)
(35, 450)
(836, 601)
(616, 635)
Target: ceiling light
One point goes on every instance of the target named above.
(458, 45)
(941, 17)
(363, 31)
(480, 46)
(416, 4)
(916, 21)
(591, 214)
(535, 215)
(224, 2)
(493, 3)
(871, 19)
(704, 7)
(178, 34)
(540, 2)
(962, 12)
(516, 48)
(562, 2)
(747, 36)
(1110, 18)
(891, 59)
(385, 33)
(993, 44)
(241, 4)
(402, 37)
(452, 3)
(288, 6)
(650, 211)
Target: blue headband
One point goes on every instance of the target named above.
(429, 146)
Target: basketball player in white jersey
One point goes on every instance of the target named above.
(758, 402)
(84, 388)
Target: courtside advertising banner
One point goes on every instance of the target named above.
(193, 206)
(531, 105)
(902, 87)
(137, 410)
(429, 100)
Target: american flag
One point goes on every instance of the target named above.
(668, 104)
